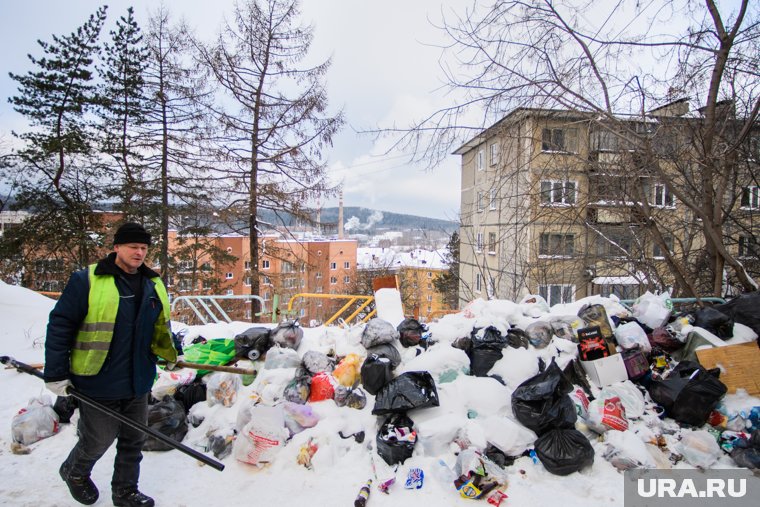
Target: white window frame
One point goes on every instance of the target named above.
(558, 255)
(346, 279)
(346, 265)
(265, 264)
(479, 201)
(566, 293)
(247, 265)
(662, 197)
(333, 280)
(753, 192)
(247, 281)
(494, 152)
(230, 275)
(333, 266)
(230, 292)
(318, 275)
(481, 159)
(492, 245)
(479, 242)
(492, 201)
(478, 282)
(558, 187)
(568, 134)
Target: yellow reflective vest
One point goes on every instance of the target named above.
(93, 340)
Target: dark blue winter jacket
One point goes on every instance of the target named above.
(130, 367)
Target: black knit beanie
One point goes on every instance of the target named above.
(131, 232)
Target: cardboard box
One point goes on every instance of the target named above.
(606, 371)
(739, 365)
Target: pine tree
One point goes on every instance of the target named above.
(123, 109)
(60, 180)
(448, 283)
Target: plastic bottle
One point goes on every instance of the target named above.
(361, 498)
(443, 474)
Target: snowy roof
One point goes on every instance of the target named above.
(373, 257)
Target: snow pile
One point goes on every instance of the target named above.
(326, 460)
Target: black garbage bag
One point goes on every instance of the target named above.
(396, 439)
(386, 350)
(689, 393)
(376, 372)
(410, 332)
(541, 403)
(65, 406)
(744, 309)
(167, 417)
(517, 338)
(287, 334)
(190, 394)
(413, 389)
(715, 321)
(485, 350)
(253, 342)
(564, 451)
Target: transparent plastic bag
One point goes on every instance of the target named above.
(222, 388)
(36, 421)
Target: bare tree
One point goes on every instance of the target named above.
(615, 64)
(276, 124)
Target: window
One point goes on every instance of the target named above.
(333, 265)
(229, 276)
(490, 288)
(318, 275)
(247, 265)
(429, 274)
(333, 280)
(346, 279)
(430, 286)
(247, 281)
(207, 284)
(479, 242)
(492, 203)
(230, 292)
(287, 267)
(748, 246)
(478, 282)
(303, 268)
(319, 290)
(751, 197)
(564, 140)
(206, 267)
(480, 203)
(267, 280)
(430, 297)
(265, 264)
(481, 161)
(492, 243)
(556, 294)
(615, 242)
(185, 265)
(558, 192)
(266, 296)
(562, 245)
(657, 251)
(662, 196)
(185, 284)
(621, 291)
(248, 314)
(289, 283)
(346, 265)
(494, 153)
(302, 312)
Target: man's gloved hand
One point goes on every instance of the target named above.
(59, 387)
(171, 366)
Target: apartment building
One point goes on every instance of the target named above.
(550, 206)
(417, 271)
(221, 265)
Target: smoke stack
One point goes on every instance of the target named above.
(340, 216)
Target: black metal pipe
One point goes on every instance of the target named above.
(31, 370)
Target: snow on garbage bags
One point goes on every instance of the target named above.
(287, 334)
(541, 403)
(485, 349)
(253, 342)
(378, 332)
(689, 393)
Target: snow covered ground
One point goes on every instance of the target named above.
(473, 409)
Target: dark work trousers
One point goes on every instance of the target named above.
(97, 431)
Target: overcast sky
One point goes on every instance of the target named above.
(385, 72)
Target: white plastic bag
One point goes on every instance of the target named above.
(262, 437)
(699, 449)
(607, 414)
(168, 381)
(222, 388)
(281, 357)
(630, 396)
(653, 310)
(35, 422)
(630, 335)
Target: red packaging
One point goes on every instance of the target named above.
(614, 414)
(322, 387)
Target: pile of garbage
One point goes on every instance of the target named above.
(561, 387)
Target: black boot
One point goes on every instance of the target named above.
(131, 498)
(81, 488)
